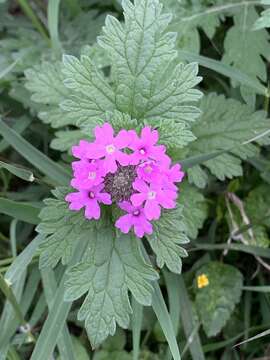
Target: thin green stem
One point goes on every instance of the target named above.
(7, 291)
(36, 22)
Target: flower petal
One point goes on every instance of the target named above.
(152, 210)
(138, 199)
(124, 223)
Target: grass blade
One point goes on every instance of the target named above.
(164, 319)
(194, 342)
(56, 318)
(225, 70)
(20, 210)
(48, 167)
(32, 16)
(18, 171)
(21, 262)
(264, 333)
(53, 20)
(137, 318)
(263, 289)
(253, 250)
(64, 342)
(7, 290)
(18, 127)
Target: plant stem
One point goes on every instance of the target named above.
(30, 13)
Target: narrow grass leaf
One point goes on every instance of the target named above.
(263, 334)
(19, 127)
(57, 316)
(21, 262)
(225, 70)
(23, 174)
(137, 319)
(64, 341)
(189, 324)
(263, 289)
(47, 166)
(20, 210)
(53, 23)
(161, 311)
(253, 250)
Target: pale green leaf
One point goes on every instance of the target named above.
(194, 209)
(111, 267)
(62, 228)
(224, 124)
(244, 48)
(90, 94)
(216, 301)
(169, 232)
(141, 49)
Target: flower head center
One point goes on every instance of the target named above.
(92, 175)
(151, 195)
(136, 213)
(91, 195)
(110, 149)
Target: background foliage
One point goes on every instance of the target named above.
(133, 65)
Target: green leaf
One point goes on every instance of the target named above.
(62, 230)
(263, 21)
(114, 355)
(18, 171)
(216, 301)
(244, 48)
(20, 210)
(194, 209)
(224, 125)
(90, 94)
(47, 166)
(169, 232)
(110, 268)
(53, 20)
(45, 81)
(226, 70)
(58, 313)
(146, 87)
(66, 139)
(137, 322)
(189, 321)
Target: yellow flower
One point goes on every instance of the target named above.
(202, 281)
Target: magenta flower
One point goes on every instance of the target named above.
(80, 151)
(132, 171)
(87, 174)
(153, 196)
(135, 218)
(108, 147)
(149, 171)
(89, 199)
(145, 147)
(173, 175)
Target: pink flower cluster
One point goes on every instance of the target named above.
(129, 170)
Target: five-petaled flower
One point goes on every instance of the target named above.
(131, 171)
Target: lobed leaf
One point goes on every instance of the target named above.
(111, 267)
(216, 301)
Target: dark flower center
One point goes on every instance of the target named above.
(119, 184)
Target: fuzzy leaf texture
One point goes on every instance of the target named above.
(224, 124)
(244, 47)
(62, 229)
(112, 266)
(140, 51)
(216, 301)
